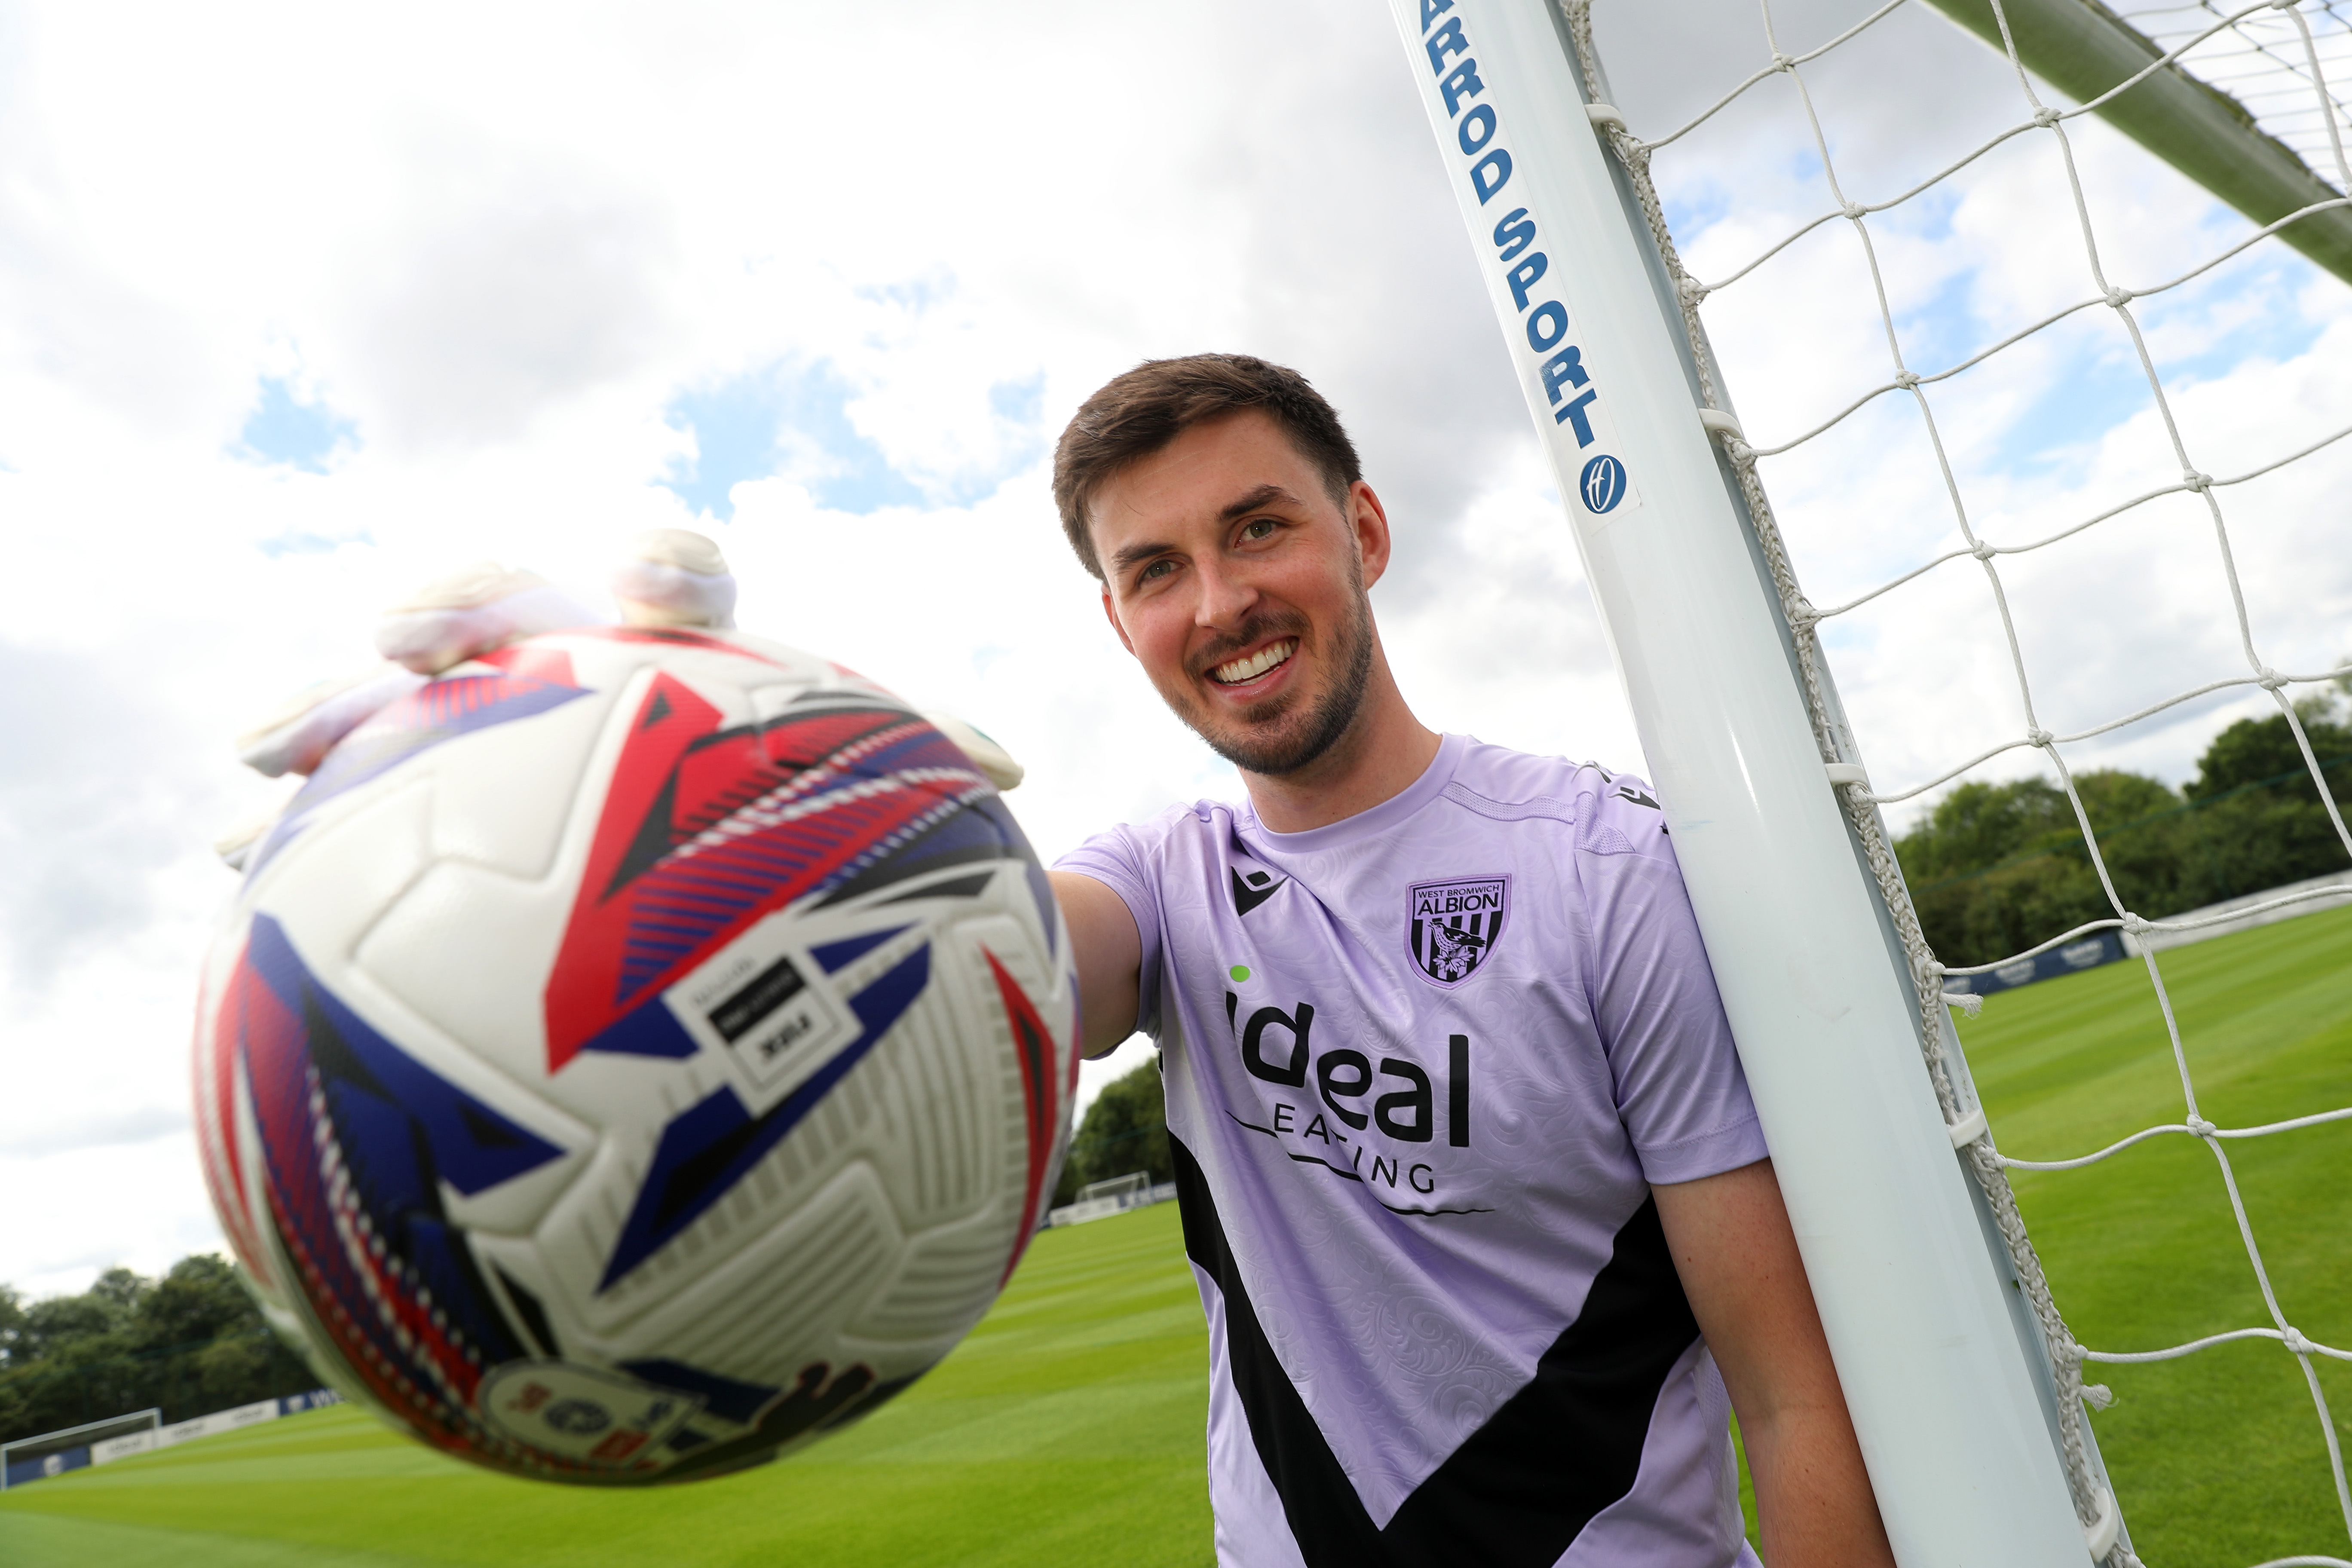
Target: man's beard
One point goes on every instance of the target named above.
(1293, 746)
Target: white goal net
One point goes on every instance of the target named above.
(1134, 1185)
(2041, 450)
(2290, 68)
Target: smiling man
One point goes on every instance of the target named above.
(1479, 1209)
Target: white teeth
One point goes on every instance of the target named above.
(1258, 664)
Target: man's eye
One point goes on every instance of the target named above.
(1258, 528)
(1157, 569)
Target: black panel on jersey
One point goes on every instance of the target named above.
(1520, 1489)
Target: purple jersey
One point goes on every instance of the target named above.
(1422, 1066)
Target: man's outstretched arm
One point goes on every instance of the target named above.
(1109, 951)
(1738, 1262)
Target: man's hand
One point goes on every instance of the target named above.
(1110, 954)
(981, 747)
(1739, 1266)
(472, 611)
(674, 578)
(665, 577)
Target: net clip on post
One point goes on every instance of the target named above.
(1968, 1128)
(1719, 422)
(2103, 1531)
(1604, 116)
(1846, 774)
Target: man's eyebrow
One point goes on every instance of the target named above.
(1254, 501)
(1133, 554)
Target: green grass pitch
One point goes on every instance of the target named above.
(2218, 1458)
(1068, 1427)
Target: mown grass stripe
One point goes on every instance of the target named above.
(1067, 1428)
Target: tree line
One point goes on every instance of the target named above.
(1997, 868)
(191, 1343)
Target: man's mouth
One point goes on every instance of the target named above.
(1236, 671)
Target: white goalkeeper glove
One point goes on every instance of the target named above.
(674, 578)
(449, 620)
(986, 756)
(666, 577)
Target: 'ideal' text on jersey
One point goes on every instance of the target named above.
(1342, 1099)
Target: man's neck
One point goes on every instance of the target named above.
(1378, 758)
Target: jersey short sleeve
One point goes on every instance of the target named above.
(1122, 860)
(1680, 1090)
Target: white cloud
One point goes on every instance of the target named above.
(106, 1130)
(506, 264)
(497, 294)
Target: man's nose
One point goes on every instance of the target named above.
(1226, 597)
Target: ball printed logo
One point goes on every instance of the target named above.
(582, 1413)
(1602, 484)
(1453, 926)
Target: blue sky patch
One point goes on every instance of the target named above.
(287, 429)
(793, 420)
(2267, 284)
(1019, 407)
(786, 419)
(1019, 402)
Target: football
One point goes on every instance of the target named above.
(634, 1054)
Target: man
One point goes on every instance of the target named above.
(1476, 1199)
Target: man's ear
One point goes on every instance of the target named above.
(1110, 614)
(1370, 522)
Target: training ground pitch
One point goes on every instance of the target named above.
(2219, 1458)
(1068, 1428)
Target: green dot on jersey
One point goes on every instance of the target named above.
(1239, 972)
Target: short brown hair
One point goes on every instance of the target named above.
(1138, 413)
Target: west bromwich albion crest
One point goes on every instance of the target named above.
(1450, 927)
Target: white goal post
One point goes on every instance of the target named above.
(1966, 1383)
(68, 1441)
(1942, 1366)
(1132, 1184)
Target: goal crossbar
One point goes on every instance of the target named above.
(2088, 52)
(1116, 1186)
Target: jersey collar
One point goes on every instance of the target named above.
(1379, 820)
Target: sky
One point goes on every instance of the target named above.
(300, 305)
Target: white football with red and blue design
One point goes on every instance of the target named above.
(636, 1054)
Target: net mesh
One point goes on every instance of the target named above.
(2147, 513)
(2289, 69)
